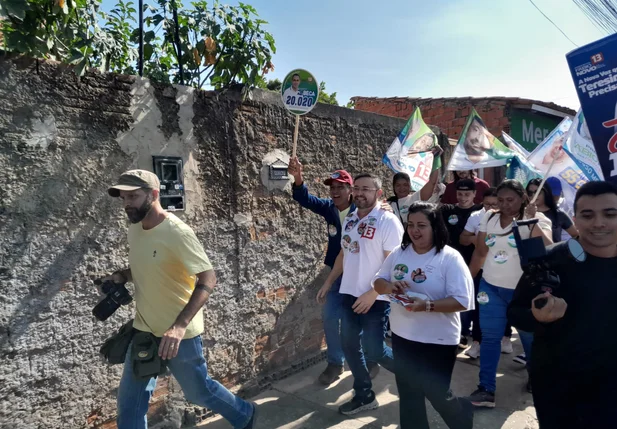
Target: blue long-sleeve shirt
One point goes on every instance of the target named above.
(325, 208)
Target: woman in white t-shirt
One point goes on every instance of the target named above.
(436, 285)
(496, 254)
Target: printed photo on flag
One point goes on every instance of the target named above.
(477, 147)
(514, 145)
(411, 151)
(580, 148)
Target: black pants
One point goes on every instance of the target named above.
(476, 333)
(563, 401)
(425, 371)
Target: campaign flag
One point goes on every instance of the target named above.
(594, 71)
(580, 148)
(478, 148)
(519, 168)
(564, 167)
(514, 145)
(411, 151)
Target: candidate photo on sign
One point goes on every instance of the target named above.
(293, 90)
(478, 141)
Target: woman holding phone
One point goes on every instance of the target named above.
(435, 284)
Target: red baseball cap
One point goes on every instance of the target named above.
(340, 176)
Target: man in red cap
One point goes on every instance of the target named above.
(333, 210)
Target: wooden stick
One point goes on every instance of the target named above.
(295, 145)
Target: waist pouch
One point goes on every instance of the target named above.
(145, 355)
(115, 347)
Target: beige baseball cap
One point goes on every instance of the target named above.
(134, 179)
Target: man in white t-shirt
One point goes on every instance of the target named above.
(369, 235)
(292, 91)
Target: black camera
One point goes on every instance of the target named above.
(115, 296)
(539, 262)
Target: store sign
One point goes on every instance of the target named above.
(530, 129)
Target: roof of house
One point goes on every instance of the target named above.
(472, 100)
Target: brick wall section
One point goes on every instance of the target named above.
(449, 115)
(60, 149)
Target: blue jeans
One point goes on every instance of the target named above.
(493, 320)
(363, 339)
(190, 369)
(331, 316)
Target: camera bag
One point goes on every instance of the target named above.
(145, 355)
(115, 347)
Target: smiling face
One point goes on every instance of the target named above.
(340, 193)
(465, 198)
(365, 193)
(295, 82)
(476, 140)
(420, 231)
(402, 188)
(596, 221)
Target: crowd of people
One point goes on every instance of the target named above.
(453, 254)
(442, 273)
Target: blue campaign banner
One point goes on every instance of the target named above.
(594, 71)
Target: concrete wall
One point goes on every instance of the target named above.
(63, 140)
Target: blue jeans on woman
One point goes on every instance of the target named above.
(331, 316)
(363, 340)
(190, 369)
(493, 321)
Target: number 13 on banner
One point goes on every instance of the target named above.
(423, 172)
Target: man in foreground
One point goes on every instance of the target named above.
(173, 279)
(573, 368)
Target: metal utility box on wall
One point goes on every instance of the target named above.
(278, 170)
(170, 174)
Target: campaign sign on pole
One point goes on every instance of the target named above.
(594, 71)
(300, 92)
(580, 148)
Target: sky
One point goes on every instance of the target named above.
(416, 48)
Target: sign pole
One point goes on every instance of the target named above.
(295, 143)
(550, 167)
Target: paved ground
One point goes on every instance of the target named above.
(299, 403)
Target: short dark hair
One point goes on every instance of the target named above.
(594, 189)
(432, 212)
(472, 174)
(296, 74)
(490, 192)
(376, 180)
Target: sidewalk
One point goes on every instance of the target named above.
(299, 403)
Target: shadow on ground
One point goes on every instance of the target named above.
(298, 402)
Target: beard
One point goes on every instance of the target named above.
(137, 215)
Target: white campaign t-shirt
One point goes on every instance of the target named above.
(502, 266)
(436, 275)
(401, 207)
(473, 223)
(364, 242)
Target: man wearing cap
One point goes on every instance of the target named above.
(173, 279)
(333, 210)
(455, 217)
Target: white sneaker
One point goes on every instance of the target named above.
(474, 351)
(506, 345)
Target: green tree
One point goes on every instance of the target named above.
(270, 85)
(218, 45)
(324, 97)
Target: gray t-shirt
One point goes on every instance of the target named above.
(561, 221)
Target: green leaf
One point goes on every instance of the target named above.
(148, 36)
(14, 8)
(80, 68)
(148, 50)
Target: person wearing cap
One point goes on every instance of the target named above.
(173, 279)
(333, 210)
(449, 196)
(455, 217)
(562, 204)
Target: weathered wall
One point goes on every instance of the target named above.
(63, 140)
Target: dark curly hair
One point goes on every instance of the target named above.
(440, 232)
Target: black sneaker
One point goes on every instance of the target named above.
(251, 424)
(482, 398)
(359, 404)
(463, 343)
(331, 374)
(373, 369)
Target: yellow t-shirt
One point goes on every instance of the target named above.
(343, 214)
(164, 261)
